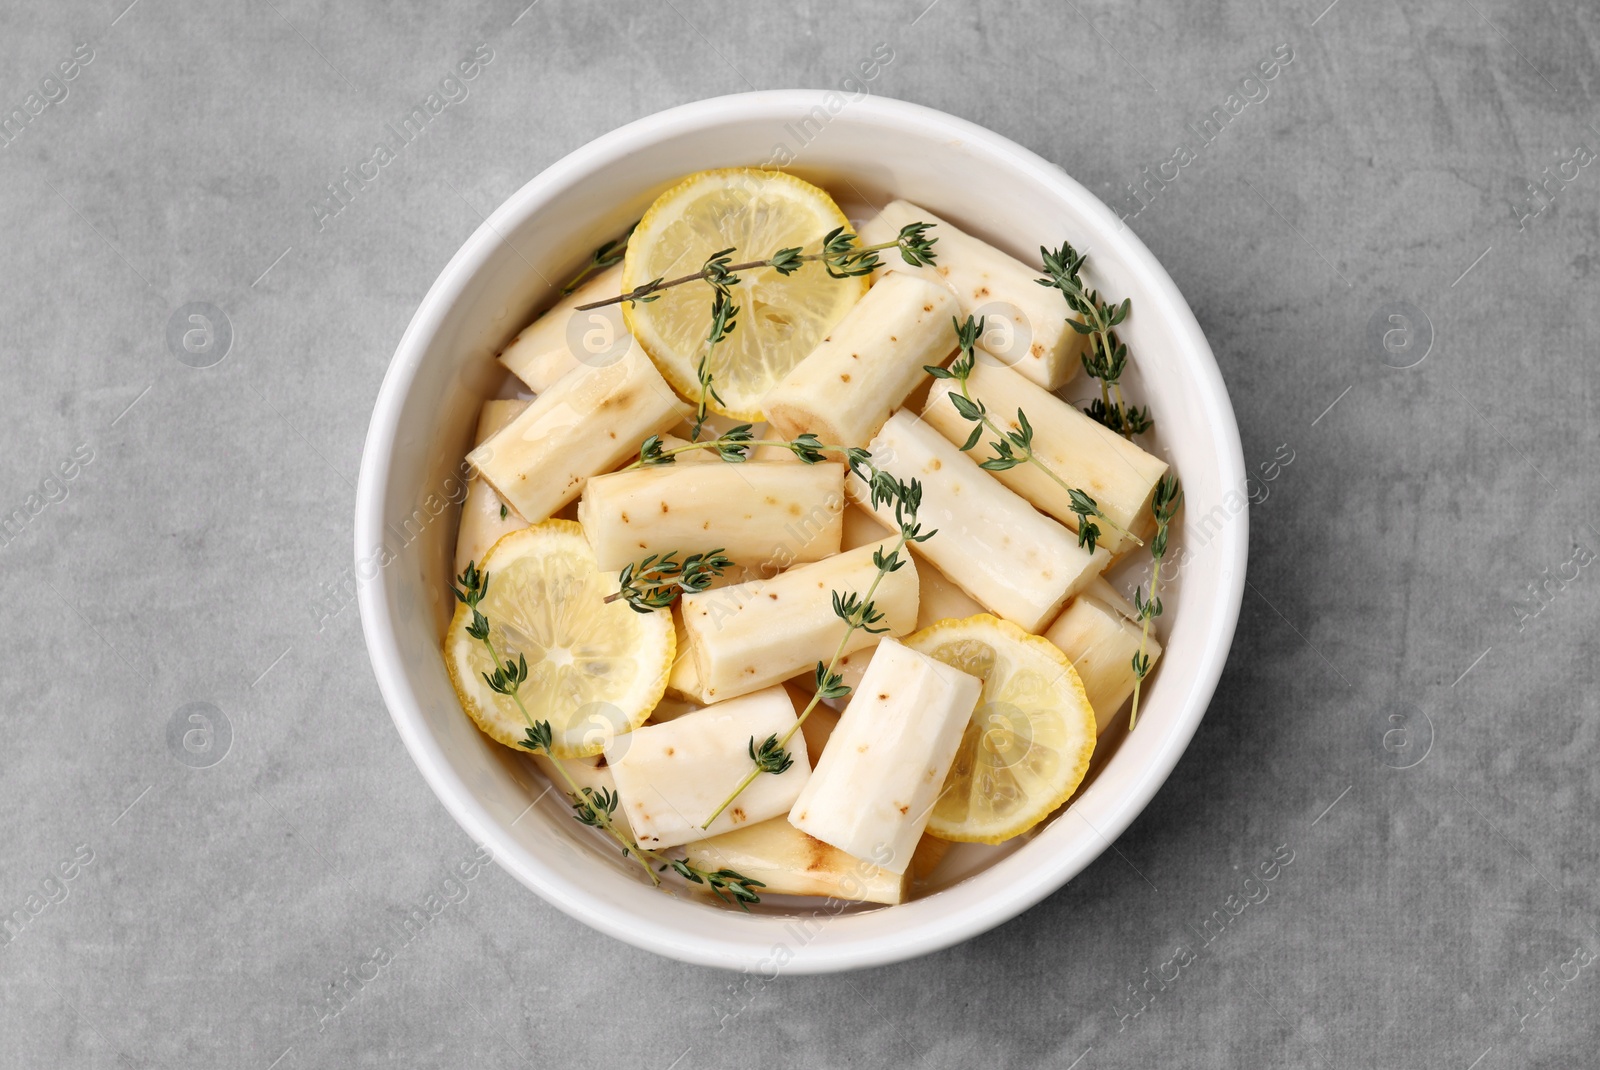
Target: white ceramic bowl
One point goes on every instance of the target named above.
(865, 150)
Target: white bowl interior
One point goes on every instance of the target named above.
(866, 152)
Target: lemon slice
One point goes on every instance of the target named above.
(1028, 746)
(595, 669)
(781, 318)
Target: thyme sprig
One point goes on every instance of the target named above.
(1107, 356)
(597, 808)
(734, 446)
(608, 254)
(839, 255)
(723, 311)
(858, 611)
(1168, 496)
(507, 679)
(728, 885)
(657, 581)
(770, 757)
(1012, 448)
(594, 807)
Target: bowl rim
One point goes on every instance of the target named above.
(744, 946)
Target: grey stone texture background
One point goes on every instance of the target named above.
(1409, 714)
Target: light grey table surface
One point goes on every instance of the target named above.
(1409, 711)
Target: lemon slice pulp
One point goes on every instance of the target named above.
(781, 318)
(1029, 743)
(595, 669)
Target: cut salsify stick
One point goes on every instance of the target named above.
(1016, 562)
(1087, 455)
(564, 339)
(1037, 340)
(670, 775)
(589, 422)
(756, 634)
(757, 513)
(874, 787)
(481, 522)
(1101, 643)
(789, 862)
(869, 363)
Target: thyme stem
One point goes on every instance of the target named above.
(1012, 448)
(607, 255)
(1164, 505)
(1107, 355)
(839, 252)
(1144, 638)
(657, 581)
(719, 443)
(1038, 462)
(576, 794)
